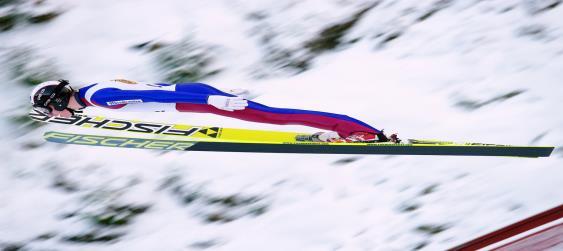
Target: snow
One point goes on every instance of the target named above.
(467, 51)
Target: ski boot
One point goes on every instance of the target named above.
(364, 137)
(320, 137)
(357, 137)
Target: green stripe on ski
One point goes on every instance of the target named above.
(299, 147)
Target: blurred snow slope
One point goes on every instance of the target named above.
(484, 71)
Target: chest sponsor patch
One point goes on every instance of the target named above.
(127, 101)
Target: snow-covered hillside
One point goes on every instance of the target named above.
(484, 71)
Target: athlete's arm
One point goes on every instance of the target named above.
(114, 96)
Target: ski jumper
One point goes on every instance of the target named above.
(192, 97)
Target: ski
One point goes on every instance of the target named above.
(410, 148)
(191, 132)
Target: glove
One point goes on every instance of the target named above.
(227, 103)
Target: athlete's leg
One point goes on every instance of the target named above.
(255, 112)
(342, 124)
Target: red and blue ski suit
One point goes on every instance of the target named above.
(192, 97)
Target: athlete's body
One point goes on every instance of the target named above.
(125, 95)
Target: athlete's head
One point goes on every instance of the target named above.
(53, 98)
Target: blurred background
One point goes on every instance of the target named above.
(472, 70)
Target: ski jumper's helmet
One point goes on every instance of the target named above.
(55, 93)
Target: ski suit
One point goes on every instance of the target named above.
(126, 95)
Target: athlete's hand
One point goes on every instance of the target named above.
(227, 103)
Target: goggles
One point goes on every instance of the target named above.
(55, 98)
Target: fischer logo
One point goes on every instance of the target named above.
(117, 141)
(127, 125)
